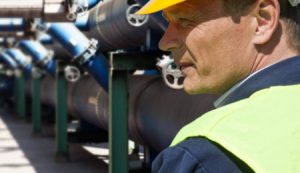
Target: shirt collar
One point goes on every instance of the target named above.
(272, 75)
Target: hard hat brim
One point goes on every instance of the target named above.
(156, 5)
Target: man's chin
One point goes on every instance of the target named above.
(190, 90)
(198, 90)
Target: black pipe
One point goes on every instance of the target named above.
(156, 112)
(109, 24)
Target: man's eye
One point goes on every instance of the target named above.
(184, 21)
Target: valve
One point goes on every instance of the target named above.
(18, 72)
(172, 76)
(36, 72)
(75, 8)
(133, 19)
(72, 73)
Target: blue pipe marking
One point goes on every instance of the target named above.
(93, 3)
(38, 53)
(20, 58)
(12, 24)
(89, 3)
(98, 68)
(8, 60)
(51, 67)
(45, 39)
(74, 41)
(35, 49)
(82, 22)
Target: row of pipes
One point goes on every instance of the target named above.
(97, 28)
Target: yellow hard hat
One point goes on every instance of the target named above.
(157, 5)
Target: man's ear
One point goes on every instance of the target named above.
(267, 19)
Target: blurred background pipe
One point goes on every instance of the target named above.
(12, 24)
(6, 86)
(8, 60)
(42, 58)
(156, 112)
(82, 50)
(49, 10)
(114, 24)
(22, 60)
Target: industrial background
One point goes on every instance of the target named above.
(87, 73)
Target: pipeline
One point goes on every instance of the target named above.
(22, 60)
(116, 26)
(42, 58)
(92, 3)
(49, 10)
(156, 112)
(83, 50)
(8, 60)
(156, 18)
(12, 24)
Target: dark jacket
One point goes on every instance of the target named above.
(200, 155)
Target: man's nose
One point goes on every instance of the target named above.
(170, 39)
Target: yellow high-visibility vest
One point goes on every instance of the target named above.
(263, 130)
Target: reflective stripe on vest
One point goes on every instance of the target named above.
(262, 130)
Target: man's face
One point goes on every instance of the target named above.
(212, 49)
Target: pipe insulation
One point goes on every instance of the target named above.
(156, 112)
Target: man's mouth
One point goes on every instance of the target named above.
(184, 67)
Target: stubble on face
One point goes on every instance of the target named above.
(208, 48)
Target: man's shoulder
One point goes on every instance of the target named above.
(194, 155)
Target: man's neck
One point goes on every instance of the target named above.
(285, 72)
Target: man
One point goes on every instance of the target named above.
(248, 51)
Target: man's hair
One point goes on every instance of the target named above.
(290, 16)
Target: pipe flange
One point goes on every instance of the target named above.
(88, 53)
(136, 20)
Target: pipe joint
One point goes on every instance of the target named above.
(46, 60)
(88, 53)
